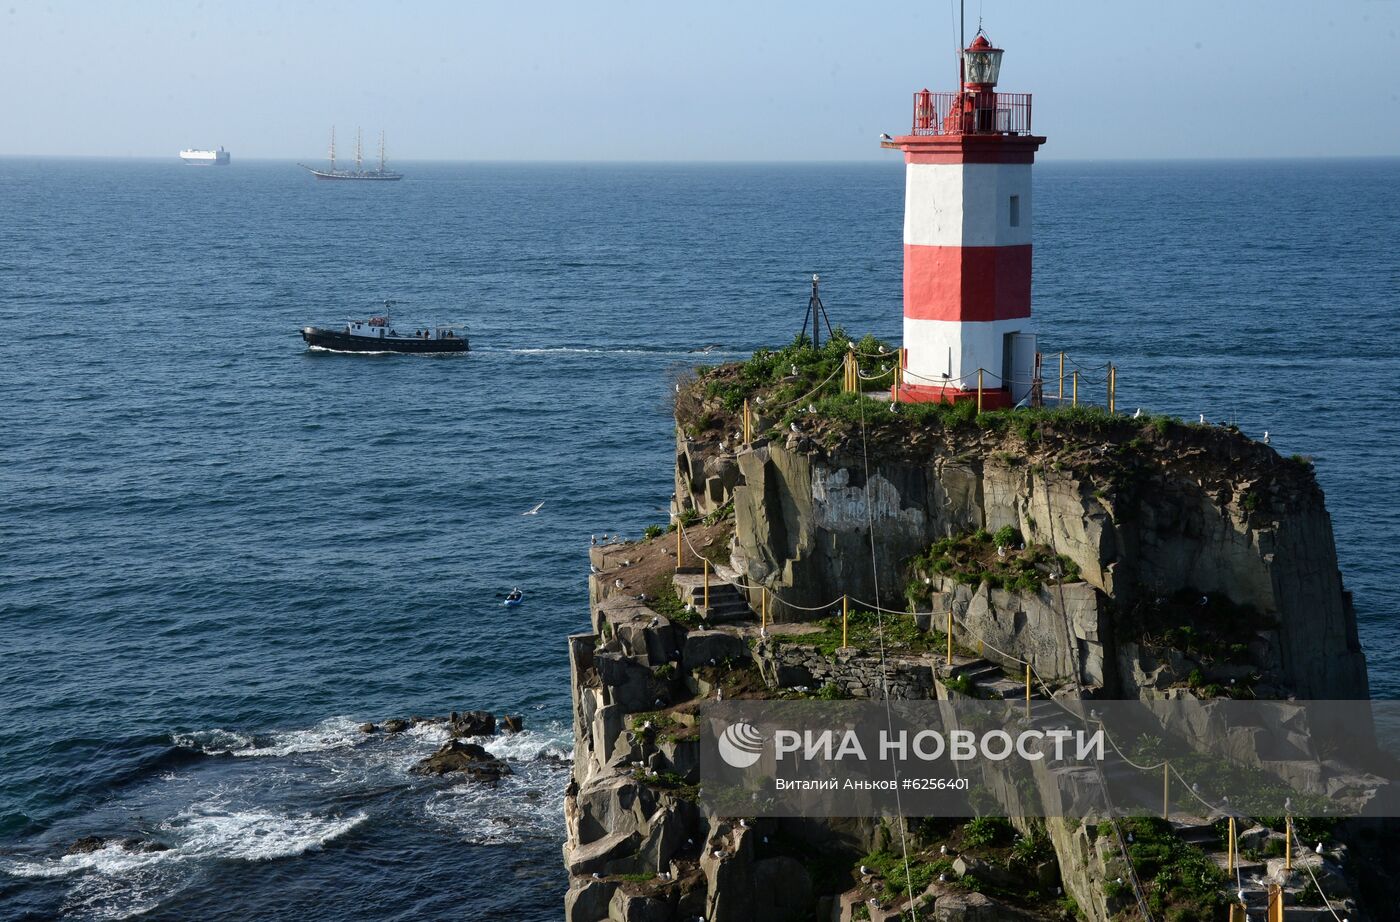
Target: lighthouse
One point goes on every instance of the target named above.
(967, 240)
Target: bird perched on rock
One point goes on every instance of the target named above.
(618, 582)
(1318, 850)
(1203, 419)
(942, 849)
(793, 427)
(865, 871)
(716, 854)
(593, 539)
(1137, 414)
(1265, 439)
(942, 878)
(743, 824)
(597, 876)
(1130, 838)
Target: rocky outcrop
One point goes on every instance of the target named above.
(469, 758)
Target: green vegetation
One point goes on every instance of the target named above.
(1208, 627)
(979, 558)
(771, 371)
(831, 692)
(961, 684)
(667, 603)
(1180, 880)
(984, 831)
(901, 634)
(654, 531)
(688, 517)
(896, 881)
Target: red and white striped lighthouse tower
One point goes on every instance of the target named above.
(967, 240)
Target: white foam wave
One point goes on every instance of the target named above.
(258, 836)
(332, 733)
(110, 859)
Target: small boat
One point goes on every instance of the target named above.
(515, 599)
(377, 334)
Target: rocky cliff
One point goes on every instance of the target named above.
(1124, 558)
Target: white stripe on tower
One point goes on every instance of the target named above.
(967, 263)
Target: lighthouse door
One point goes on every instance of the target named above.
(1019, 363)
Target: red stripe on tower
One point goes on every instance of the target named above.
(967, 239)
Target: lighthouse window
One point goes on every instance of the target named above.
(1015, 211)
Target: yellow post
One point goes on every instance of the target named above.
(979, 390)
(950, 637)
(845, 616)
(1028, 690)
(706, 566)
(1288, 843)
(1112, 386)
(1061, 397)
(763, 611)
(1230, 849)
(1237, 913)
(1275, 903)
(981, 651)
(748, 425)
(1074, 380)
(1166, 789)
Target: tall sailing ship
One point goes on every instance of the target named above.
(359, 172)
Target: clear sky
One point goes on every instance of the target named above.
(713, 80)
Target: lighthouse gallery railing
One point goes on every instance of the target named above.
(971, 113)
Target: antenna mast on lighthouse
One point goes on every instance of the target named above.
(816, 313)
(358, 160)
(332, 148)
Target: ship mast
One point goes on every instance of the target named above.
(358, 167)
(381, 150)
(332, 148)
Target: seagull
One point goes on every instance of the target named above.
(593, 569)
(597, 876)
(678, 388)
(885, 137)
(1318, 850)
(942, 878)
(716, 854)
(865, 871)
(719, 694)
(894, 407)
(765, 840)
(743, 824)
(654, 621)
(1288, 805)
(1266, 437)
(593, 539)
(1203, 419)
(1241, 896)
(535, 510)
(1205, 600)
(1001, 551)
(1137, 414)
(1130, 838)
(618, 582)
(942, 849)
(793, 427)
(1120, 881)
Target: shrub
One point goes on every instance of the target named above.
(986, 830)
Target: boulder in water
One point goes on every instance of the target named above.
(87, 844)
(512, 723)
(471, 723)
(395, 725)
(368, 727)
(457, 756)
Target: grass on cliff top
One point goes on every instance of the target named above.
(901, 634)
(771, 372)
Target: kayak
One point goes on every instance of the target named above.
(515, 602)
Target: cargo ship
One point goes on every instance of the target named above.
(205, 157)
(382, 174)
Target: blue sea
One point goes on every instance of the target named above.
(220, 553)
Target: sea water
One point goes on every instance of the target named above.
(220, 553)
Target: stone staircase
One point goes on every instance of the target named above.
(727, 604)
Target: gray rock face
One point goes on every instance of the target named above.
(802, 529)
(702, 648)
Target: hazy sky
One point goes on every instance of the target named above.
(714, 80)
